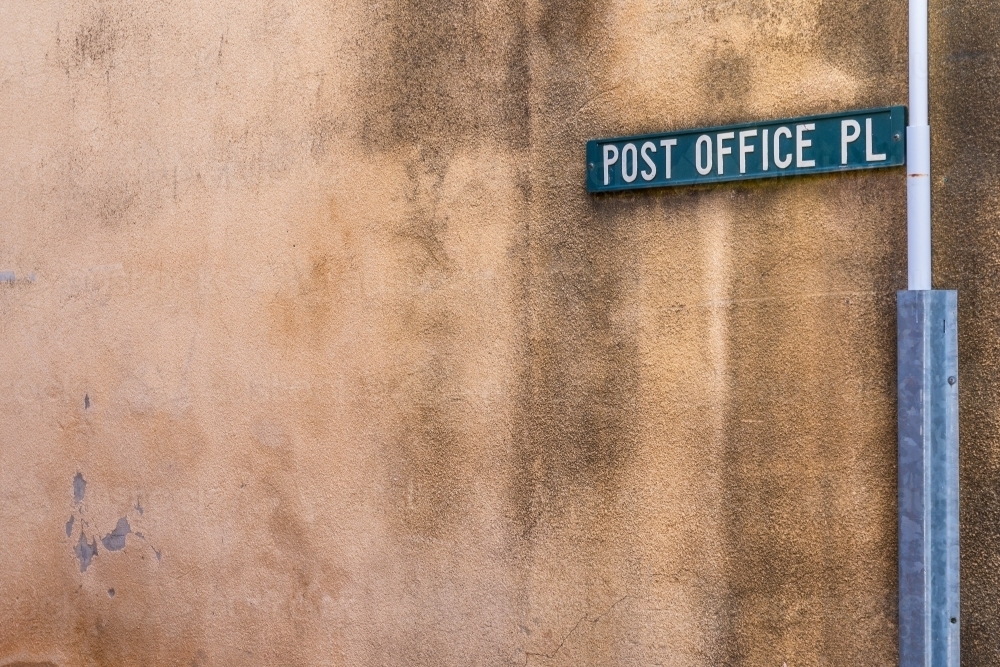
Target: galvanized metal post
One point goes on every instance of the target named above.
(927, 328)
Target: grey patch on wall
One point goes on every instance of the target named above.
(86, 401)
(69, 526)
(79, 488)
(7, 277)
(115, 541)
(85, 552)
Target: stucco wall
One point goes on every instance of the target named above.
(311, 295)
(965, 113)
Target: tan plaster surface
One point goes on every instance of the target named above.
(312, 296)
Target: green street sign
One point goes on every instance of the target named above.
(867, 139)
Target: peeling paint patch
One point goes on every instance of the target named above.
(111, 592)
(11, 279)
(79, 488)
(85, 552)
(69, 526)
(115, 541)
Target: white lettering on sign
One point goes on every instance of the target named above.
(707, 142)
(626, 176)
(667, 143)
(870, 155)
(724, 150)
(745, 148)
(763, 147)
(779, 162)
(610, 157)
(651, 173)
(801, 144)
(846, 138)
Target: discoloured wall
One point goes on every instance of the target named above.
(964, 116)
(316, 352)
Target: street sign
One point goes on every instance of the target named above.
(867, 139)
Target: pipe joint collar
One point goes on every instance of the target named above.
(918, 150)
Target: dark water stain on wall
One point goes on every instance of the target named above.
(455, 74)
(727, 80)
(95, 39)
(868, 41)
(441, 76)
(571, 38)
(441, 73)
(965, 136)
(579, 387)
(438, 76)
(578, 377)
(793, 582)
(797, 453)
(428, 483)
(95, 42)
(577, 418)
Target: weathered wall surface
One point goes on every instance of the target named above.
(965, 82)
(317, 353)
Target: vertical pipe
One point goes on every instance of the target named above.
(918, 157)
(927, 386)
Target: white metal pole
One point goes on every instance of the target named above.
(918, 157)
